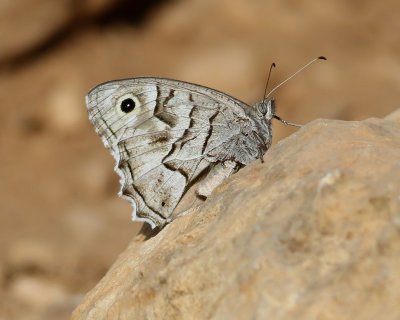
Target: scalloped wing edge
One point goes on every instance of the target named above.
(113, 150)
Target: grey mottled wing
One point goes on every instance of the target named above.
(175, 131)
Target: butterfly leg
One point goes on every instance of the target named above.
(216, 176)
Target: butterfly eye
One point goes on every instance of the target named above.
(127, 105)
(262, 108)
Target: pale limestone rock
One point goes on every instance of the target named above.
(312, 233)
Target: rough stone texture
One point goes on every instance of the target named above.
(312, 233)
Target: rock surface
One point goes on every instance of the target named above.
(312, 233)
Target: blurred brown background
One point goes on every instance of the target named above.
(61, 222)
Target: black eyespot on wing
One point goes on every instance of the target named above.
(127, 105)
(163, 203)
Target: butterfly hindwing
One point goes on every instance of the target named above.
(174, 132)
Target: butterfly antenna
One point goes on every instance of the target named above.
(296, 73)
(273, 65)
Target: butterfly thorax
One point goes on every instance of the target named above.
(249, 136)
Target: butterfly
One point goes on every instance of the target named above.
(167, 135)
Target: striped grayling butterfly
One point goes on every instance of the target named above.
(166, 134)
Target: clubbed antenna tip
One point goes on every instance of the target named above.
(294, 74)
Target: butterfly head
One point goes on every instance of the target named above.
(266, 109)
